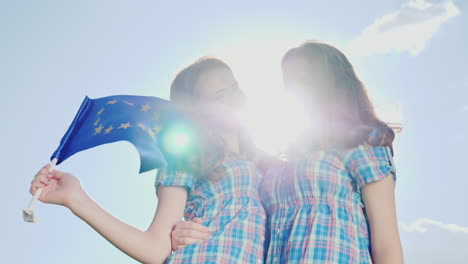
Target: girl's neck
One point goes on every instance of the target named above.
(231, 139)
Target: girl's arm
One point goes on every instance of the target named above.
(379, 200)
(150, 246)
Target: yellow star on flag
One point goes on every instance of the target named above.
(145, 108)
(151, 133)
(97, 122)
(157, 128)
(100, 111)
(112, 102)
(125, 126)
(98, 129)
(127, 102)
(108, 130)
(141, 126)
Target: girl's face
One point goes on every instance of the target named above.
(306, 80)
(299, 75)
(219, 97)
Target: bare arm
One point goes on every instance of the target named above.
(379, 200)
(150, 246)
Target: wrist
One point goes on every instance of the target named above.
(77, 201)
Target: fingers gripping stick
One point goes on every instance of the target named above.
(28, 213)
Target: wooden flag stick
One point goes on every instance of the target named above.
(28, 213)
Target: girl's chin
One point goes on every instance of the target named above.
(227, 123)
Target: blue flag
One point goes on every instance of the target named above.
(140, 120)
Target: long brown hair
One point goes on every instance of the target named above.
(340, 100)
(211, 150)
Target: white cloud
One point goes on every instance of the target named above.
(429, 241)
(421, 225)
(407, 29)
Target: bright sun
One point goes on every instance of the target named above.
(274, 120)
(271, 115)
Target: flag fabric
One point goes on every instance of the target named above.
(140, 120)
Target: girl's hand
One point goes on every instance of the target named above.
(189, 232)
(59, 187)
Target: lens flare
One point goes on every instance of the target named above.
(178, 139)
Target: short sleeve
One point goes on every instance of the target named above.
(165, 177)
(369, 164)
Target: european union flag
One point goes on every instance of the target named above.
(140, 120)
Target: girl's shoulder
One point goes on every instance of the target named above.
(367, 163)
(367, 153)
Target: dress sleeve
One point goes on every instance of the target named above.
(368, 164)
(166, 177)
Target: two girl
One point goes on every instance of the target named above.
(331, 201)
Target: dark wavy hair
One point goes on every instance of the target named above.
(211, 150)
(346, 116)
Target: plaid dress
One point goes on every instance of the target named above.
(315, 209)
(230, 207)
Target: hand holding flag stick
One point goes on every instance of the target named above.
(153, 125)
(28, 213)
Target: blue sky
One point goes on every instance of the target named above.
(410, 54)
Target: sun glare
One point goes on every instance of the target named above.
(272, 117)
(274, 121)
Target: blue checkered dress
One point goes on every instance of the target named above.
(315, 209)
(230, 207)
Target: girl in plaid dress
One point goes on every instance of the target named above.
(217, 183)
(332, 201)
(221, 182)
